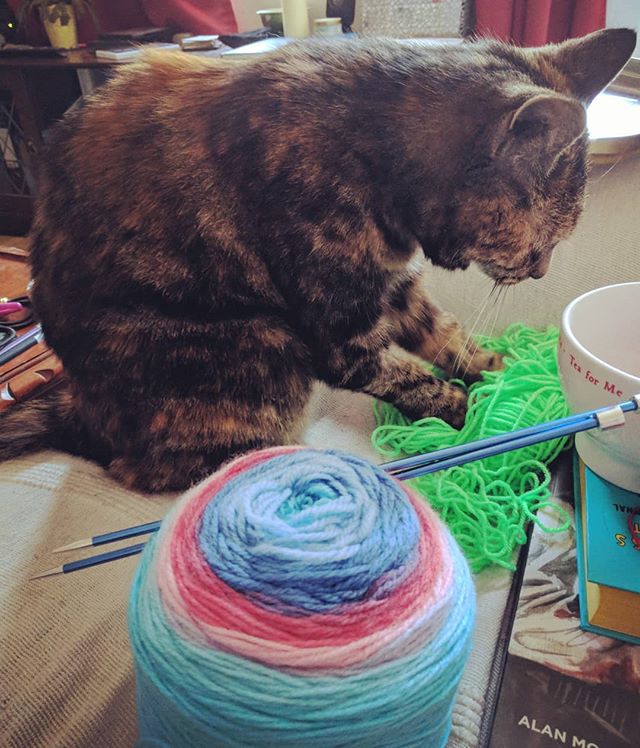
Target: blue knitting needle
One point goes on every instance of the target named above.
(85, 563)
(479, 452)
(404, 469)
(110, 537)
(445, 458)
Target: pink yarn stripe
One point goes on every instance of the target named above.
(205, 609)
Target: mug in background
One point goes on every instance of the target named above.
(599, 364)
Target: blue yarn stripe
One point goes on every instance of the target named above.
(330, 533)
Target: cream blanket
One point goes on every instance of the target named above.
(66, 675)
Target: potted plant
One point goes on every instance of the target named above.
(58, 17)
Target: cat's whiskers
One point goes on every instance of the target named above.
(477, 315)
(499, 306)
(477, 311)
(610, 169)
(464, 353)
(481, 322)
(477, 327)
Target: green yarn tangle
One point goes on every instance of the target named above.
(487, 504)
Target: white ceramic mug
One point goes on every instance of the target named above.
(599, 364)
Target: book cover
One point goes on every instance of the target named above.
(129, 51)
(611, 556)
(256, 48)
(138, 34)
(202, 41)
(604, 609)
(561, 685)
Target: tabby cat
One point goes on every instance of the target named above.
(212, 238)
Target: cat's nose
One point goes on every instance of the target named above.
(539, 269)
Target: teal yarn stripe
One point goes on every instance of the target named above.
(189, 695)
(359, 640)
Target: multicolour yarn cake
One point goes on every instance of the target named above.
(300, 598)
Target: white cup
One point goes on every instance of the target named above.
(599, 364)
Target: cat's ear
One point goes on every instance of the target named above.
(591, 62)
(541, 128)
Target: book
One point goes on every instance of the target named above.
(608, 563)
(20, 50)
(255, 49)
(131, 51)
(36, 369)
(561, 685)
(202, 41)
(611, 556)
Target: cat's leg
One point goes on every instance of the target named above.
(386, 371)
(182, 440)
(437, 336)
(161, 470)
(186, 440)
(175, 412)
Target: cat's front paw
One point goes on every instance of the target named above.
(492, 361)
(452, 406)
(481, 360)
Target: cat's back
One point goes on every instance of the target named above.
(134, 130)
(116, 216)
(114, 182)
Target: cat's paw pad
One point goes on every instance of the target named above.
(453, 407)
(482, 361)
(493, 361)
(435, 400)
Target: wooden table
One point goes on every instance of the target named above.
(36, 91)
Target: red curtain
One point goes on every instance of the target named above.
(196, 16)
(532, 23)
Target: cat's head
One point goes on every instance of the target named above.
(516, 172)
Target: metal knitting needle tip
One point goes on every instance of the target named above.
(49, 572)
(84, 543)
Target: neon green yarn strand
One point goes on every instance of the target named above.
(487, 504)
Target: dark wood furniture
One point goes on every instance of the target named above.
(35, 91)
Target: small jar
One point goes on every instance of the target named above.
(295, 18)
(327, 27)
